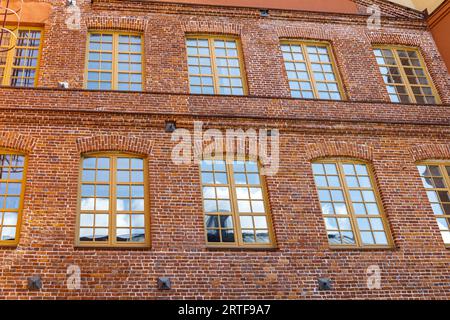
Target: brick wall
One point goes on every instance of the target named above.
(55, 126)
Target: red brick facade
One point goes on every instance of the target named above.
(55, 126)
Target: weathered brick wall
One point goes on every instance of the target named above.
(55, 126)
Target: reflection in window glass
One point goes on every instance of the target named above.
(112, 194)
(350, 209)
(12, 181)
(310, 71)
(435, 180)
(234, 203)
(214, 66)
(114, 62)
(405, 76)
(18, 67)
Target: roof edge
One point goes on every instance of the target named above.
(407, 11)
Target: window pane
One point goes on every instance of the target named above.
(11, 188)
(296, 58)
(99, 204)
(101, 58)
(25, 58)
(402, 69)
(226, 78)
(248, 202)
(338, 208)
(438, 195)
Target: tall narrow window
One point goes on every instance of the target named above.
(215, 66)
(19, 66)
(311, 72)
(436, 180)
(114, 61)
(405, 75)
(235, 205)
(113, 209)
(12, 185)
(350, 206)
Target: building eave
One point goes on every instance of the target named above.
(253, 13)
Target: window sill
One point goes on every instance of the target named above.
(374, 248)
(271, 97)
(111, 247)
(236, 248)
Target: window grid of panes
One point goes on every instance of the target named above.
(130, 204)
(234, 204)
(436, 180)
(217, 202)
(214, 66)
(349, 205)
(310, 71)
(19, 66)
(114, 62)
(405, 76)
(95, 200)
(129, 63)
(250, 202)
(12, 180)
(112, 203)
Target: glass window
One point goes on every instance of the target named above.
(19, 66)
(310, 71)
(12, 184)
(405, 75)
(113, 201)
(114, 62)
(235, 205)
(350, 206)
(215, 66)
(436, 180)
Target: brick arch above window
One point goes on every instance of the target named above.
(430, 152)
(316, 151)
(17, 142)
(115, 143)
(304, 33)
(395, 39)
(116, 23)
(212, 27)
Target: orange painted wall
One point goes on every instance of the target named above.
(339, 6)
(32, 12)
(439, 23)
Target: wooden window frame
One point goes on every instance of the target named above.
(408, 86)
(112, 242)
(351, 215)
(15, 242)
(441, 164)
(215, 73)
(334, 66)
(115, 59)
(239, 243)
(11, 54)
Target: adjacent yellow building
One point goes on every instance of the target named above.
(438, 22)
(420, 5)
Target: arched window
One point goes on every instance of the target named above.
(113, 201)
(436, 180)
(12, 186)
(350, 204)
